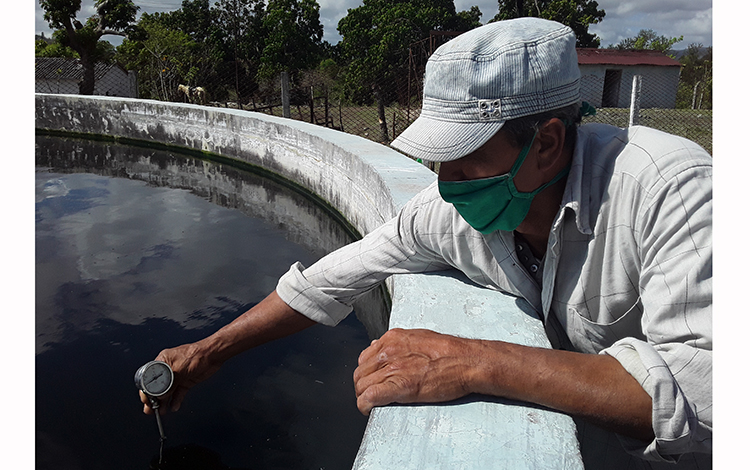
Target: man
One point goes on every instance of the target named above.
(605, 232)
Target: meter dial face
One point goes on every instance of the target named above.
(154, 378)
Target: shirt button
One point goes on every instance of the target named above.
(519, 248)
(534, 268)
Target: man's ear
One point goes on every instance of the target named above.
(550, 146)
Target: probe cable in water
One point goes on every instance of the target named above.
(155, 379)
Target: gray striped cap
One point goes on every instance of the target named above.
(486, 76)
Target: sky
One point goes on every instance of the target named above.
(624, 18)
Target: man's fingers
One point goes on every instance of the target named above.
(377, 354)
(369, 365)
(365, 379)
(146, 404)
(367, 354)
(177, 397)
(379, 394)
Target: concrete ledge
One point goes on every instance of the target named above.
(476, 432)
(367, 183)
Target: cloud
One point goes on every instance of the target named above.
(672, 18)
(487, 7)
(331, 12)
(634, 7)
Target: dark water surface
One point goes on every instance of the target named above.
(138, 250)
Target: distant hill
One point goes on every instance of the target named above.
(678, 53)
(44, 38)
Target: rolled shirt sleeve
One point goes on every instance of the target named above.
(325, 291)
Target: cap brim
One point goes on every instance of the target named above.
(443, 141)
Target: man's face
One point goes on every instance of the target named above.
(494, 158)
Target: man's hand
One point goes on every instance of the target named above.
(190, 366)
(421, 366)
(195, 362)
(408, 366)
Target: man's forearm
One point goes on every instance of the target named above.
(270, 319)
(195, 362)
(594, 387)
(410, 366)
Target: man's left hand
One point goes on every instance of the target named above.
(409, 366)
(421, 366)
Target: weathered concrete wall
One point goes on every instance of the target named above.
(367, 190)
(367, 183)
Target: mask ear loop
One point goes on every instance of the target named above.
(522, 157)
(586, 110)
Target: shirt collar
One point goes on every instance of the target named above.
(575, 193)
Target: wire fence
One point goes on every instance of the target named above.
(648, 99)
(655, 97)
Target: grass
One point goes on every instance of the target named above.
(358, 120)
(693, 124)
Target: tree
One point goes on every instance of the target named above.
(467, 20)
(375, 40)
(195, 18)
(54, 47)
(294, 37)
(242, 35)
(649, 40)
(112, 17)
(577, 14)
(696, 78)
(163, 57)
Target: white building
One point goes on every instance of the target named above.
(60, 75)
(607, 77)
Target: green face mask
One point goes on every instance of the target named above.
(490, 204)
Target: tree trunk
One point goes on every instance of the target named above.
(519, 9)
(86, 86)
(381, 115)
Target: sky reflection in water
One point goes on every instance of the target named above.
(133, 254)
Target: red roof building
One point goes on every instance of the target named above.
(607, 77)
(624, 58)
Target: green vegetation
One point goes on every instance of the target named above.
(375, 44)
(647, 39)
(235, 50)
(112, 17)
(696, 78)
(578, 14)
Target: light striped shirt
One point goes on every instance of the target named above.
(627, 271)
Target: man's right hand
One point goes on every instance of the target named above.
(191, 365)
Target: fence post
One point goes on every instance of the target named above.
(133, 84)
(312, 104)
(695, 94)
(635, 101)
(285, 95)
